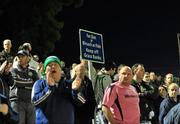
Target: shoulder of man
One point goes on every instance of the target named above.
(33, 71)
(111, 86)
(102, 76)
(40, 83)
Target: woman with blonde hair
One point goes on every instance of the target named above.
(169, 102)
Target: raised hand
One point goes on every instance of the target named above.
(3, 66)
(76, 83)
(4, 109)
(49, 76)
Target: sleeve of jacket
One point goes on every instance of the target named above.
(149, 93)
(40, 92)
(91, 99)
(8, 79)
(173, 116)
(77, 97)
(162, 111)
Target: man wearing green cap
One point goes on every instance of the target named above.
(54, 98)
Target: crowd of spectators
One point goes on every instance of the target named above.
(35, 92)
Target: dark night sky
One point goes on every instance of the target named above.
(131, 35)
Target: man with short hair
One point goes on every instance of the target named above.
(20, 94)
(121, 101)
(6, 54)
(146, 93)
(168, 79)
(146, 78)
(87, 95)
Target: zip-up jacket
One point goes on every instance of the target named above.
(54, 104)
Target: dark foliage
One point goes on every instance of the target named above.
(33, 21)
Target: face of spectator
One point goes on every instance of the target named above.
(29, 46)
(159, 78)
(23, 60)
(7, 45)
(162, 92)
(80, 70)
(168, 79)
(125, 75)
(112, 71)
(152, 76)
(36, 58)
(140, 72)
(55, 71)
(63, 64)
(173, 91)
(146, 78)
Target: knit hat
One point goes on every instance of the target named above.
(51, 59)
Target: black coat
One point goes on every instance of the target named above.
(85, 113)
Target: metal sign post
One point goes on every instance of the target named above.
(91, 48)
(178, 35)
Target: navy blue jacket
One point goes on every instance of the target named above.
(11, 117)
(54, 104)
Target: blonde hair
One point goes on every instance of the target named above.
(173, 85)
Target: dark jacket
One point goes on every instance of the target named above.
(11, 117)
(6, 56)
(85, 113)
(146, 98)
(54, 104)
(5, 82)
